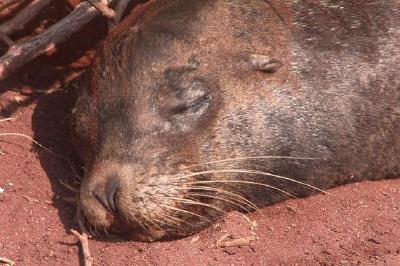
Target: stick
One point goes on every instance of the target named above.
(21, 53)
(83, 239)
(6, 39)
(18, 22)
(8, 3)
(103, 8)
(275, 11)
(6, 261)
(119, 10)
(7, 119)
(245, 241)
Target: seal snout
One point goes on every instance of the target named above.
(105, 193)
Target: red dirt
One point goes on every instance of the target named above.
(359, 224)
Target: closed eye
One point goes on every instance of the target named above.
(194, 106)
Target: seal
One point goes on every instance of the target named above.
(194, 108)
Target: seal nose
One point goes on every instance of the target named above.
(106, 193)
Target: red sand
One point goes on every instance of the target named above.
(360, 224)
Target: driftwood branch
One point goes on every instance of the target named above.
(18, 22)
(7, 3)
(21, 53)
(119, 10)
(6, 39)
(103, 8)
(83, 239)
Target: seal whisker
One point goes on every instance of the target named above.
(219, 198)
(242, 182)
(73, 170)
(96, 231)
(185, 211)
(34, 141)
(142, 225)
(167, 220)
(250, 158)
(80, 218)
(253, 172)
(91, 228)
(152, 222)
(194, 202)
(179, 220)
(106, 232)
(69, 187)
(235, 196)
(191, 121)
(84, 220)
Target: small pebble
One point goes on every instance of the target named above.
(265, 63)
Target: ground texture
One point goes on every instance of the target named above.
(357, 224)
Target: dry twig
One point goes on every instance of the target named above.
(103, 8)
(83, 239)
(245, 241)
(7, 3)
(18, 22)
(6, 261)
(227, 239)
(30, 199)
(7, 119)
(119, 10)
(21, 53)
(6, 39)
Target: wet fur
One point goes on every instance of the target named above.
(336, 98)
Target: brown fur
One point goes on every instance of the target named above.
(175, 86)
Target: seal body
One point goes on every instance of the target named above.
(193, 108)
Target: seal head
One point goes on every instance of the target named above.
(194, 108)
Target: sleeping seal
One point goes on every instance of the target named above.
(197, 107)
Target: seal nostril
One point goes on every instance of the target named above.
(98, 192)
(111, 188)
(106, 194)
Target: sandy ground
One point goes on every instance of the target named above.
(357, 224)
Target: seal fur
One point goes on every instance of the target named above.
(193, 108)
